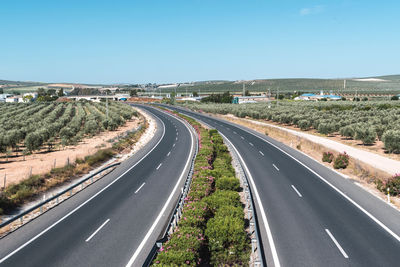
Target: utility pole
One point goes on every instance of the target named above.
(277, 96)
(269, 98)
(344, 86)
(244, 89)
(107, 105)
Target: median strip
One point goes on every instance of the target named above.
(211, 229)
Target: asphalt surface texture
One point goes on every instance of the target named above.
(104, 224)
(316, 216)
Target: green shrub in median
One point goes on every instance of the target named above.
(223, 198)
(195, 214)
(228, 242)
(212, 207)
(182, 248)
(228, 183)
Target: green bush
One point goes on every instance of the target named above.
(182, 248)
(100, 156)
(392, 183)
(228, 242)
(347, 131)
(194, 214)
(366, 134)
(5, 203)
(327, 157)
(341, 161)
(232, 211)
(325, 128)
(304, 124)
(228, 183)
(391, 139)
(222, 198)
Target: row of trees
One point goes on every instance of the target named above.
(218, 98)
(358, 121)
(36, 125)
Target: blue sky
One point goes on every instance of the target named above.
(192, 40)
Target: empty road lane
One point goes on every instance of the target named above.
(316, 217)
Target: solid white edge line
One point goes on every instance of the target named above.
(147, 236)
(337, 244)
(159, 166)
(263, 215)
(297, 191)
(84, 203)
(98, 229)
(261, 153)
(331, 185)
(139, 188)
(275, 167)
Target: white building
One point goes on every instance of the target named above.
(3, 97)
(34, 95)
(13, 99)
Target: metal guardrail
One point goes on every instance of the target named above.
(177, 211)
(256, 246)
(41, 204)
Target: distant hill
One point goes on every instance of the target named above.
(388, 84)
(6, 83)
(390, 77)
(382, 84)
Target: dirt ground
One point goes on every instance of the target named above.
(18, 169)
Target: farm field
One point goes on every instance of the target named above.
(382, 85)
(371, 125)
(34, 138)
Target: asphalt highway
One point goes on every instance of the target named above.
(117, 219)
(315, 216)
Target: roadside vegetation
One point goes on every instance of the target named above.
(17, 194)
(212, 226)
(33, 127)
(366, 122)
(386, 85)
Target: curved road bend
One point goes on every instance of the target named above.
(312, 223)
(108, 229)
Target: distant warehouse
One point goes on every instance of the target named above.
(316, 97)
(249, 99)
